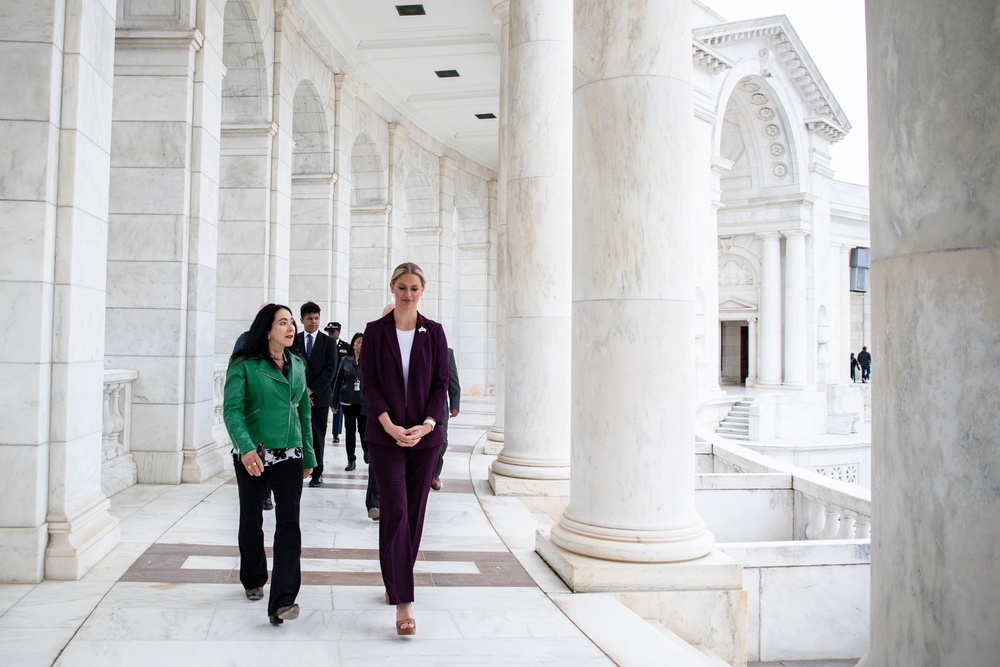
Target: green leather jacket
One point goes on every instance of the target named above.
(262, 405)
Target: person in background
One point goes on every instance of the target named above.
(332, 330)
(404, 374)
(865, 361)
(347, 394)
(854, 368)
(454, 397)
(268, 416)
(320, 353)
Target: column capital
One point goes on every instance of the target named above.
(768, 235)
(501, 11)
(794, 233)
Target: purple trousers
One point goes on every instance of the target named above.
(404, 477)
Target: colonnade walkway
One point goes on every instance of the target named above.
(169, 593)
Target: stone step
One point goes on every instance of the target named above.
(627, 639)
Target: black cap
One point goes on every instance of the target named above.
(332, 325)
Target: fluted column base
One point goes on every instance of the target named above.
(77, 545)
(494, 441)
(205, 462)
(701, 600)
(631, 545)
(523, 477)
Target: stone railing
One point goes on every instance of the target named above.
(218, 393)
(118, 470)
(824, 508)
(219, 432)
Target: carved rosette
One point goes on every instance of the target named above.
(770, 127)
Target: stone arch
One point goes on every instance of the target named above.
(421, 200)
(245, 241)
(310, 131)
(367, 173)
(245, 88)
(756, 137)
(312, 251)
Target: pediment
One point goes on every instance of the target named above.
(732, 305)
(787, 52)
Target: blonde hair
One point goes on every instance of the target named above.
(408, 267)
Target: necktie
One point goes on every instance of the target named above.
(309, 345)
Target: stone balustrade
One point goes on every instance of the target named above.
(824, 508)
(219, 432)
(218, 393)
(118, 471)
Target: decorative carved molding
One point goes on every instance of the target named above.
(829, 120)
(734, 271)
(710, 62)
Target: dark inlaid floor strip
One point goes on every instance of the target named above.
(162, 563)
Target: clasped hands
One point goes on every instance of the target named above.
(409, 437)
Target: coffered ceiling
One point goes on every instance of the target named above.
(398, 57)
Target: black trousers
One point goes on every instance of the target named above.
(319, 416)
(286, 574)
(354, 423)
(444, 448)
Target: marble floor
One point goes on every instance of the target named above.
(169, 593)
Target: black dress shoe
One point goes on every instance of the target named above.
(286, 613)
(268, 504)
(255, 593)
(350, 466)
(316, 481)
(367, 458)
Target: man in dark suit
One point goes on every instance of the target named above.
(321, 363)
(343, 349)
(454, 397)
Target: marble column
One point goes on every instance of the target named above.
(162, 246)
(495, 436)
(631, 526)
(842, 362)
(55, 125)
(795, 308)
(770, 309)
(535, 457)
(345, 97)
(633, 291)
(752, 357)
(935, 240)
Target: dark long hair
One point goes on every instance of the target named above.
(255, 344)
(354, 338)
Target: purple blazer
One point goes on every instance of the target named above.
(382, 379)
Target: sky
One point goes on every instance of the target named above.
(834, 36)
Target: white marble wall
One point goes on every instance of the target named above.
(935, 272)
(55, 124)
(312, 234)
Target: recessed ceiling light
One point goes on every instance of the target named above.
(446, 73)
(485, 116)
(411, 10)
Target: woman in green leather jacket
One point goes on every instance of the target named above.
(267, 414)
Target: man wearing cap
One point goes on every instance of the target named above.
(321, 363)
(333, 331)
